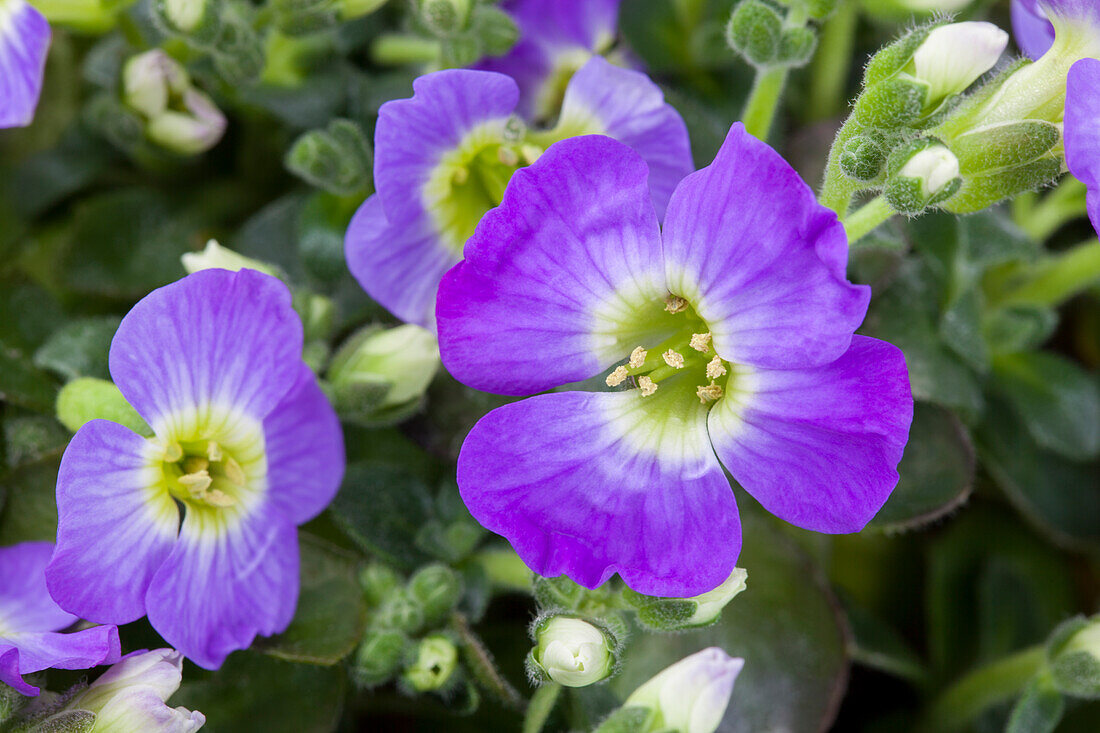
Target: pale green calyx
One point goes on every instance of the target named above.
(690, 696)
(954, 56)
(177, 116)
(573, 652)
(435, 663)
(402, 361)
(215, 256)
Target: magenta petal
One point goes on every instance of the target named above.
(116, 524)
(398, 264)
(632, 109)
(24, 43)
(761, 261)
(25, 603)
(574, 230)
(229, 578)
(216, 337)
(9, 670)
(819, 447)
(78, 650)
(305, 451)
(1082, 130)
(591, 484)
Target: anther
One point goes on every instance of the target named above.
(196, 483)
(617, 377)
(234, 472)
(218, 498)
(673, 359)
(647, 385)
(700, 342)
(172, 452)
(508, 157)
(637, 357)
(194, 464)
(715, 368)
(708, 393)
(675, 304)
(213, 451)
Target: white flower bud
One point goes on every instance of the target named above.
(935, 167)
(436, 660)
(690, 696)
(178, 117)
(710, 604)
(149, 79)
(216, 257)
(573, 652)
(405, 357)
(954, 56)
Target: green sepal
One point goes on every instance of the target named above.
(379, 657)
(863, 154)
(495, 29)
(1039, 709)
(338, 159)
(627, 720)
(69, 721)
(755, 32)
(400, 611)
(894, 57)
(559, 592)
(459, 51)
(437, 588)
(906, 195)
(88, 398)
(1006, 145)
(982, 191)
(670, 615)
(893, 103)
(819, 9)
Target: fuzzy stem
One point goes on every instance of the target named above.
(480, 663)
(867, 218)
(541, 705)
(833, 60)
(960, 704)
(764, 100)
(1057, 279)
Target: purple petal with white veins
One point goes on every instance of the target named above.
(819, 447)
(575, 232)
(629, 107)
(398, 264)
(305, 451)
(760, 260)
(1033, 32)
(25, 603)
(230, 577)
(1082, 130)
(24, 653)
(215, 338)
(116, 523)
(24, 43)
(413, 134)
(591, 484)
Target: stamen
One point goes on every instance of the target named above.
(617, 377)
(218, 498)
(196, 483)
(708, 393)
(213, 451)
(675, 304)
(234, 472)
(172, 452)
(700, 342)
(194, 464)
(508, 157)
(715, 368)
(673, 359)
(647, 385)
(637, 357)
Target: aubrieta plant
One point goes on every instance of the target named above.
(614, 366)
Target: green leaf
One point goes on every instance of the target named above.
(24, 385)
(331, 610)
(86, 399)
(30, 511)
(1057, 401)
(937, 471)
(79, 349)
(28, 314)
(788, 628)
(877, 645)
(256, 692)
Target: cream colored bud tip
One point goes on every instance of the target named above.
(700, 342)
(508, 157)
(708, 393)
(715, 368)
(674, 359)
(637, 357)
(647, 385)
(675, 304)
(617, 377)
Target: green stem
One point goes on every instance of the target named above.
(764, 100)
(960, 704)
(832, 62)
(1042, 218)
(867, 218)
(541, 705)
(1057, 279)
(397, 49)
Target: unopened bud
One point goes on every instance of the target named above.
(443, 17)
(437, 588)
(495, 29)
(198, 20)
(954, 56)
(709, 605)
(402, 612)
(690, 696)
(677, 614)
(214, 256)
(571, 652)
(177, 116)
(929, 175)
(378, 657)
(338, 158)
(755, 31)
(401, 360)
(1074, 651)
(434, 665)
(378, 581)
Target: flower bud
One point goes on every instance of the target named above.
(755, 31)
(571, 652)
(928, 175)
(378, 581)
(690, 696)
(709, 605)
(437, 588)
(443, 17)
(177, 116)
(954, 56)
(215, 256)
(677, 614)
(402, 612)
(495, 29)
(131, 695)
(378, 657)
(1074, 651)
(400, 361)
(338, 159)
(435, 664)
(199, 20)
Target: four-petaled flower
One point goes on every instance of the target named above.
(245, 446)
(30, 619)
(24, 41)
(735, 324)
(444, 157)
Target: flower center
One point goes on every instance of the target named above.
(203, 472)
(686, 360)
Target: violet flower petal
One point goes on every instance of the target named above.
(575, 236)
(1082, 130)
(25, 603)
(590, 484)
(1034, 34)
(24, 43)
(760, 260)
(819, 447)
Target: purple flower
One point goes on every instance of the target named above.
(556, 38)
(245, 442)
(29, 622)
(737, 321)
(1034, 21)
(444, 157)
(1082, 130)
(24, 41)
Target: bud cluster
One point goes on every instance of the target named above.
(768, 37)
(449, 34)
(222, 29)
